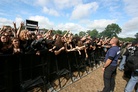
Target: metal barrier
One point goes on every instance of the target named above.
(21, 73)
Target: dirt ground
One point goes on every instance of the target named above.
(94, 81)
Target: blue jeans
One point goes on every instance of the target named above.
(131, 84)
(122, 63)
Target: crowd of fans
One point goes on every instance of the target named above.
(15, 41)
(23, 41)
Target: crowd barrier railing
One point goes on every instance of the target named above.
(24, 72)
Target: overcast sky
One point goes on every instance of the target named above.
(73, 15)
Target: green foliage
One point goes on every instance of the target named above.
(101, 35)
(65, 31)
(136, 35)
(127, 39)
(76, 35)
(54, 32)
(59, 32)
(93, 33)
(44, 30)
(82, 33)
(111, 30)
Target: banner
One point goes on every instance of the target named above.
(31, 25)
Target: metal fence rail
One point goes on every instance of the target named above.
(24, 72)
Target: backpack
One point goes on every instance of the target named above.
(132, 62)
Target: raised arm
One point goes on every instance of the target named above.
(3, 29)
(19, 30)
(15, 29)
(66, 33)
(47, 34)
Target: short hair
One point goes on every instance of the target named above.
(116, 40)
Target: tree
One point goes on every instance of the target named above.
(111, 30)
(93, 33)
(136, 35)
(76, 35)
(58, 31)
(54, 31)
(82, 33)
(100, 35)
(64, 32)
(127, 39)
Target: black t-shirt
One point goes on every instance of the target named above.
(5, 48)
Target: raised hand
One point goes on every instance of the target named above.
(22, 24)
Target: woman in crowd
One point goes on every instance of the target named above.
(5, 46)
(16, 46)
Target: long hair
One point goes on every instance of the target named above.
(24, 35)
(59, 42)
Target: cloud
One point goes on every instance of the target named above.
(108, 3)
(29, 2)
(42, 21)
(55, 6)
(99, 24)
(42, 2)
(113, 8)
(84, 10)
(131, 7)
(50, 11)
(131, 24)
(62, 4)
(130, 28)
(127, 34)
(48, 7)
(59, 4)
(9, 22)
(74, 28)
(4, 21)
(18, 20)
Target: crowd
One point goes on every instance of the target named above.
(15, 41)
(129, 65)
(55, 47)
(23, 41)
